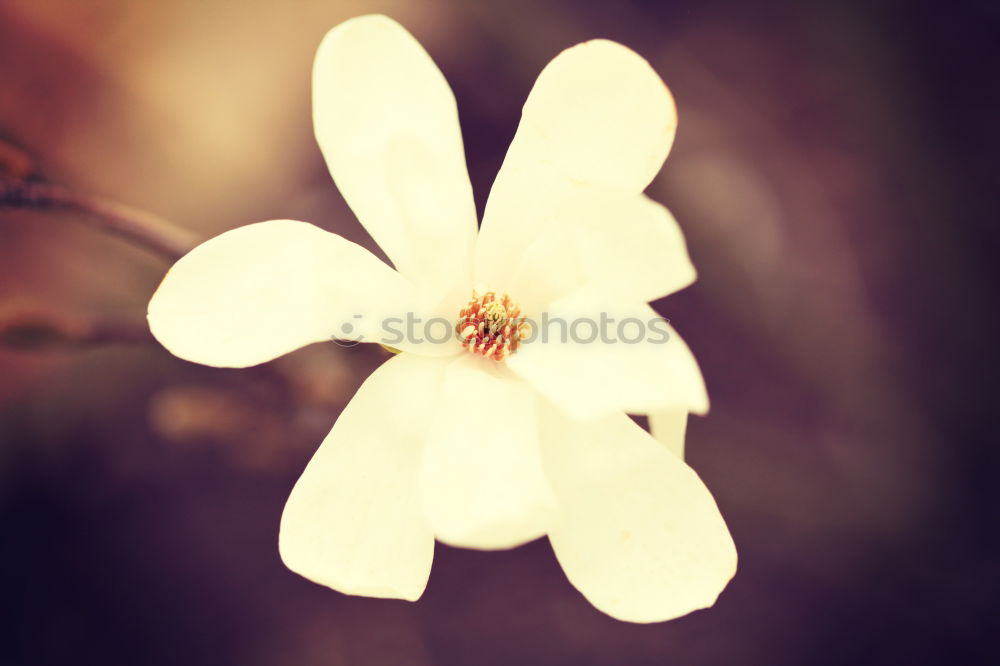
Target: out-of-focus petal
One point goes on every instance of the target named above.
(599, 116)
(638, 533)
(262, 290)
(669, 426)
(481, 479)
(387, 123)
(353, 519)
(594, 358)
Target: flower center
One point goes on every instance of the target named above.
(491, 326)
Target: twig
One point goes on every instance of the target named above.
(39, 332)
(138, 227)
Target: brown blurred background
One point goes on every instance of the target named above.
(834, 173)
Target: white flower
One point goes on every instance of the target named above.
(500, 446)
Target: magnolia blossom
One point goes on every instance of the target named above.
(487, 439)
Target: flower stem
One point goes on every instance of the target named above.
(135, 226)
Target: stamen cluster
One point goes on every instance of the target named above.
(491, 326)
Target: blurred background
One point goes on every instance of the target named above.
(834, 171)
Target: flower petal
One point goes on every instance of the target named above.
(638, 532)
(353, 520)
(597, 116)
(387, 123)
(481, 481)
(593, 361)
(262, 290)
(624, 245)
(668, 426)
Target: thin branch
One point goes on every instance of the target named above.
(40, 332)
(136, 226)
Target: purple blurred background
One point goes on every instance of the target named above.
(835, 173)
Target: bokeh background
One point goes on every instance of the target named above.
(834, 173)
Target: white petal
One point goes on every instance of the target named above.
(599, 116)
(260, 291)
(625, 245)
(598, 113)
(481, 480)
(668, 426)
(594, 360)
(353, 520)
(387, 124)
(638, 532)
